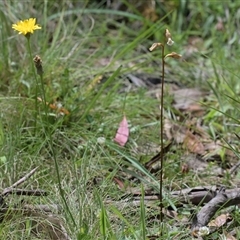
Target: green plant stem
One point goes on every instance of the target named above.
(143, 215)
(48, 132)
(35, 76)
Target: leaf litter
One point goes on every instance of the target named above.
(186, 131)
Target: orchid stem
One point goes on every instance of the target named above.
(161, 135)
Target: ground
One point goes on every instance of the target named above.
(83, 139)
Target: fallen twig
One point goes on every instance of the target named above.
(221, 200)
(214, 197)
(20, 181)
(43, 219)
(234, 168)
(18, 191)
(200, 195)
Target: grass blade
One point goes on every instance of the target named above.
(104, 86)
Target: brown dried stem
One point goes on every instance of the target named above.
(154, 46)
(161, 135)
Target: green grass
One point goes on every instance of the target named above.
(79, 42)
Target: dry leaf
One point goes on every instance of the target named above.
(220, 220)
(228, 236)
(119, 183)
(170, 213)
(184, 168)
(173, 55)
(123, 132)
(220, 25)
(57, 107)
(193, 144)
(184, 98)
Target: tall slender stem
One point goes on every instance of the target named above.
(48, 133)
(35, 76)
(169, 42)
(161, 135)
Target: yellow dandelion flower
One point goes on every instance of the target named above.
(26, 26)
